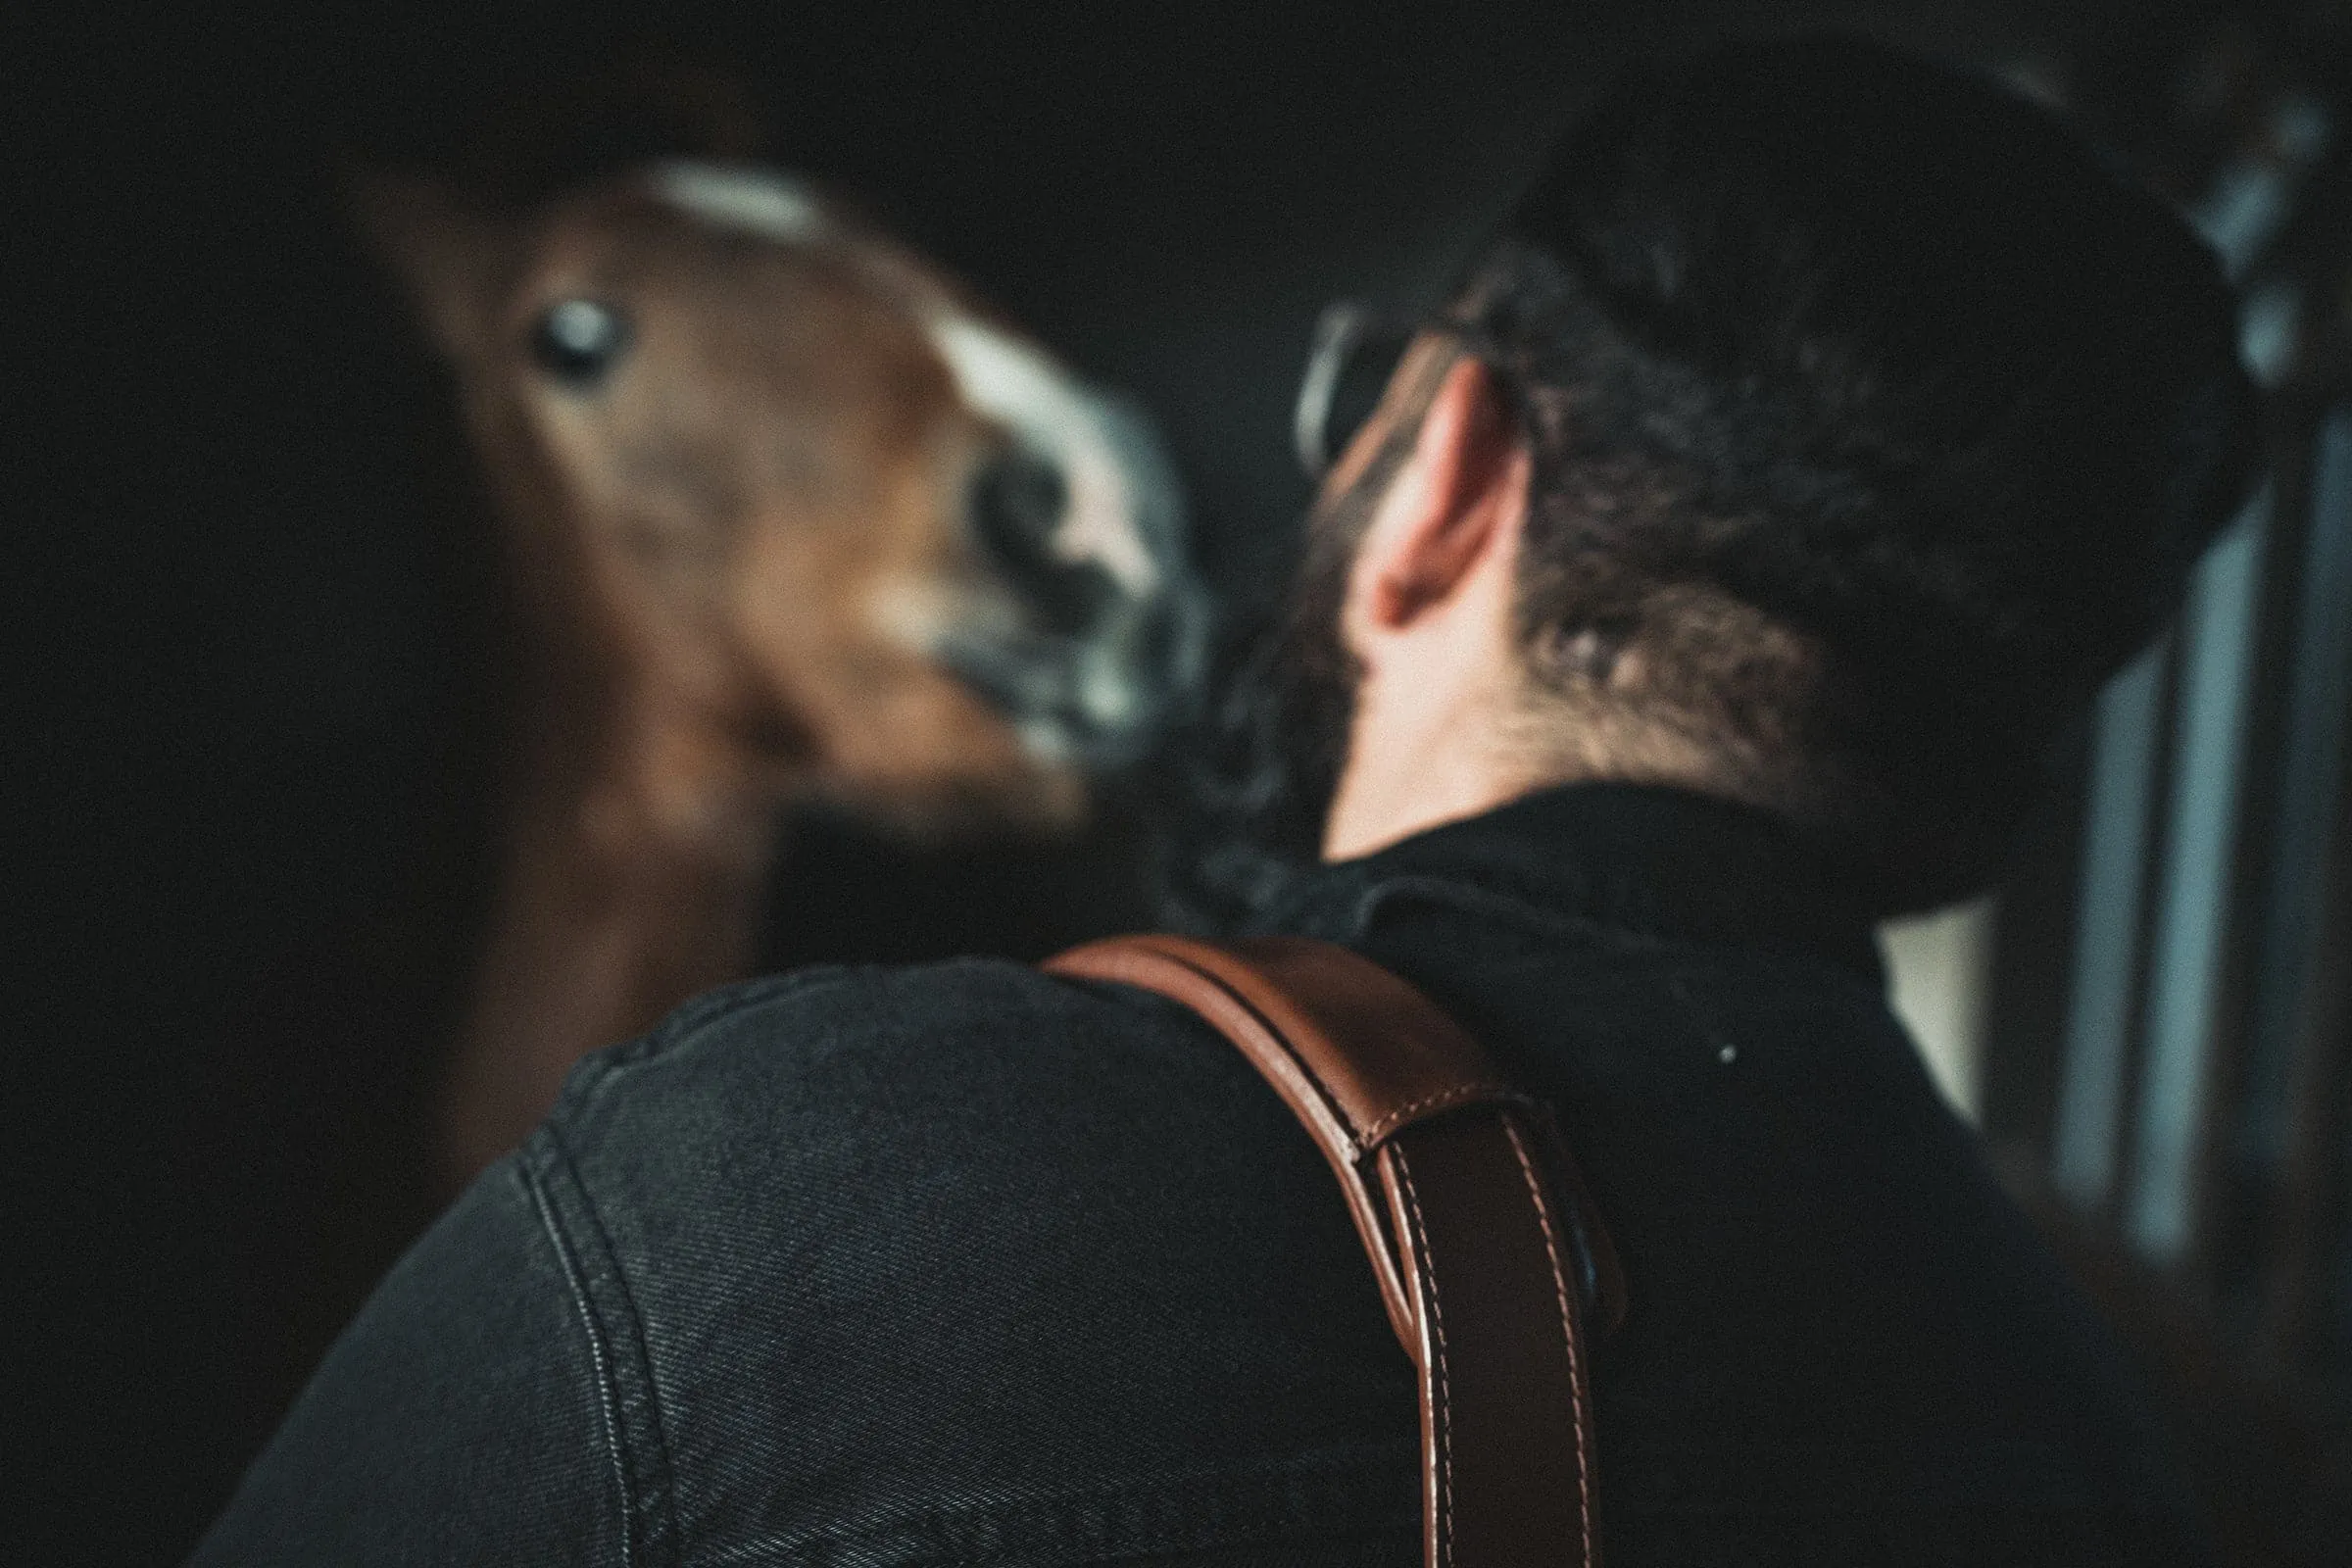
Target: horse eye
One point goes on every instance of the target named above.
(576, 341)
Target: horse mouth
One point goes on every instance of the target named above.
(1098, 702)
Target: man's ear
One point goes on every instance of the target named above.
(453, 259)
(1463, 496)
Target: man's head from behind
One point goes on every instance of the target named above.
(1821, 428)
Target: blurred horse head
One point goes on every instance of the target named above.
(787, 515)
(790, 512)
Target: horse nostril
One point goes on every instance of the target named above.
(1017, 499)
(1015, 504)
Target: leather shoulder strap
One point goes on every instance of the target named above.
(1486, 1252)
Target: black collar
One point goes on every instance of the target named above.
(1638, 860)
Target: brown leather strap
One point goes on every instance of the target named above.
(1479, 1235)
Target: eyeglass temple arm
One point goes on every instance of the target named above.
(1335, 331)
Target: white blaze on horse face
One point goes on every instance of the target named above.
(756, 201)
(1121, 513)
(1018, 387)
(1002, 378)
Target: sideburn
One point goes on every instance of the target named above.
(1267, 762)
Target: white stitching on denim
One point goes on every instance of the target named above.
(606, 1401)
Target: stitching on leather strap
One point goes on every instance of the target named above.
(1366, 1137)
(1559, 1285)
(1280, 1037)
(1440, 1423)
(1457, 1095)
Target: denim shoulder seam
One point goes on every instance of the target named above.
(637, 1444)
(607, 1398)
(688, 1020)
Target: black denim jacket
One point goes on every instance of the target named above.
(961, 1264)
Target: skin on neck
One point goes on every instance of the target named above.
(1446, 724)
(1428, 614)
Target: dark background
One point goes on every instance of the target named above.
(252, 602)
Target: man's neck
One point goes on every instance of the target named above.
(1401, 779)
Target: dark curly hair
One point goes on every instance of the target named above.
(1878, 412)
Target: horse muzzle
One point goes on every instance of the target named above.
(1100, 700)
(1104, 639)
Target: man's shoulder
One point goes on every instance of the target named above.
(871, 1050)
(966, 1231)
